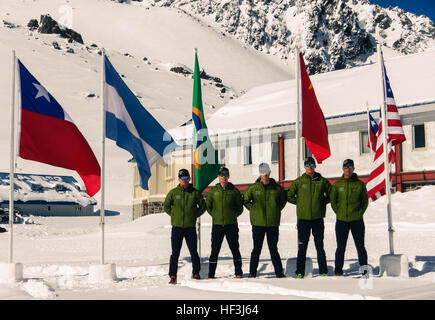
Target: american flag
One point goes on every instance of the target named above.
(373, 132)
(396, 135)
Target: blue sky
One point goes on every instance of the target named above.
(418, 7)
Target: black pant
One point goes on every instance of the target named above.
(342, 232)
(231, 232)
(305, 227)
(272, 234)
(177, 236)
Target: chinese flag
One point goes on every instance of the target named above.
(314, 128)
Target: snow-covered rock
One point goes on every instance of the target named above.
(332, 34)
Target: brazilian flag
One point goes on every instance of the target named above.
(205, 158)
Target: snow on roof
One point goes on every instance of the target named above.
(338, 92)
(44, 188)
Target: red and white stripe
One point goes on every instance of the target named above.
(376, 182)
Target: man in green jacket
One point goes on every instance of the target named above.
(310, 194)
(349, 201)
(224, 203)
(184, 204)
(265, 199)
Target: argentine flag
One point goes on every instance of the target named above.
(132, 126)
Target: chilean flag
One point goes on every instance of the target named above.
(49, 135)
(314, 129)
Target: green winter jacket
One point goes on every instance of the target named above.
(265, 203)
(310, 196)
(224, 205)
(349, 199)
(184, 206)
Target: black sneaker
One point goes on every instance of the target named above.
(281, 275)
(173, 280)
(338, 273)
(251, 276)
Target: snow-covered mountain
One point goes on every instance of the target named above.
(332, 34)
(149, 47)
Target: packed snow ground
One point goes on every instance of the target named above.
(57, 251)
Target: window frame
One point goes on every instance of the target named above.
(413, 137)
(249, 148)
(277, 152)
(362, 145)
(169, 168)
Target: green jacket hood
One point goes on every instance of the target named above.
(230, 186)
(354, 177)
(189, 188)
(272, 181)
(317, 176)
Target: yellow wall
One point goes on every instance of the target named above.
(163, 177)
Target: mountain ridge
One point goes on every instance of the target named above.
(332, 34)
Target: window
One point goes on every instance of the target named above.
(247, 153)
(168, 170)
(61, 188)
(222, 156)
(363, 140)
(275, 152)
(37, 188)
(419, 136)
(306, 152)
(136, 176)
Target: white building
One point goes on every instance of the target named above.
(260, 126)
(46, 195)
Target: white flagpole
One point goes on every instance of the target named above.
(368, 130)
(12, 161)
(385, 146)
(103, 153)
(298, 130)
(198, 223)
(298, 108)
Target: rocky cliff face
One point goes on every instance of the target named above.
(332, 34)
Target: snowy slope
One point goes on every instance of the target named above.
(166, 37)
(56, 253)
